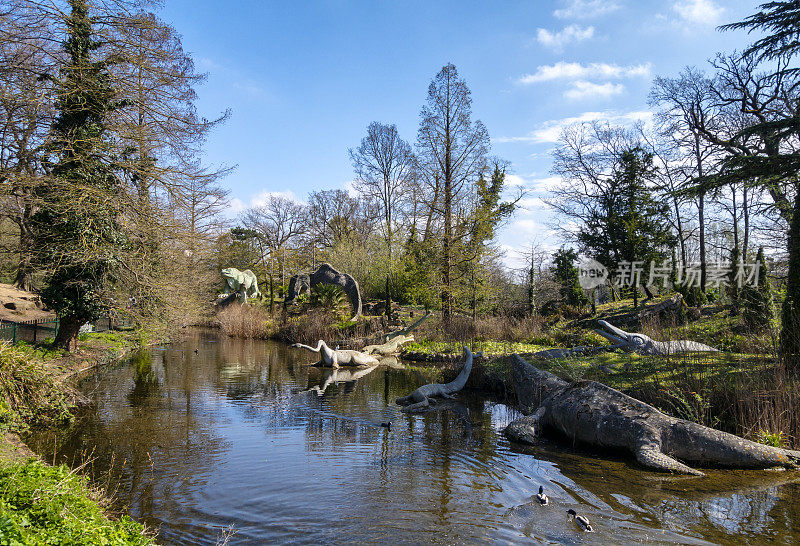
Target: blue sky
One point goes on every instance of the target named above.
(304, 79)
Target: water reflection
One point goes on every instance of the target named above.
(214, 432)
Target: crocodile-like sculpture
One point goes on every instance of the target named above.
(596, 414)
(389, 348)
(334, 358)
(644, 345)
(325, 274)
(242, 283)
(426, 394)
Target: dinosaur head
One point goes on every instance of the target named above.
(232, 276)
(636, 342)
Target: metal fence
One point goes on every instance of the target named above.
(34, 331)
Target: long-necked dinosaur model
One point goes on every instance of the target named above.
(325, 274)
(644, 345)
(339, 357)
(594, 413)
(426, 394)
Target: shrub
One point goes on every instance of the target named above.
(29, 393)
(246, 321)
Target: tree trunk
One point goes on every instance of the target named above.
(67, 333)
(447, 247)
(702, 221)
(790, 331)
(746, 220)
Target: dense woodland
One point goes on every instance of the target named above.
(105, 198)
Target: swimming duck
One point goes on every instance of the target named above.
(542, 498)
(581, 521)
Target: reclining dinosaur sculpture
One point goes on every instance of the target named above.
(644, 345)
(325, 274)
(596, 414)
(389, 348)
(334, 358)
(426, 394)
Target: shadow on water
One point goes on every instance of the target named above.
(215, 432)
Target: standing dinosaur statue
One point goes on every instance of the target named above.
(596, 414)
(644, 345)
(426, 394)
(325, 274)
(242, 283)
(334, 358)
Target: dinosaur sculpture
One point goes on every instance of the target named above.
(334, 358)
(426, 394)
(326, 274)
(644, 345)
(242, 283)
(389, 348)
(596, 414)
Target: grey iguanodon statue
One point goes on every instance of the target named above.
(339, 357)
(325, 274)
(242, 283)
(389, 348)
(596, 414)
(426, 394)
(644, 345)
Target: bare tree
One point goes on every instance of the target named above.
(335, 215)
(453, 152)
(280, 222)
(687, 112)
(384, 167)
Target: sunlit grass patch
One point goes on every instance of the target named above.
(489, 348)
(41, 504)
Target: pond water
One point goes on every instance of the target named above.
(217, 434)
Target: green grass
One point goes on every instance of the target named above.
(41, 504)
(628, 371)
(489, 348)
(29, 394)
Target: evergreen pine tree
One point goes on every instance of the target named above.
(566, 274)
(77, 230)
(758, 308)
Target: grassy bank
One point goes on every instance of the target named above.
(41, 504)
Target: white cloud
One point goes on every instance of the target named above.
(515, 181)
(557, 40)
(700, 12)
(350, 187)
(550, 131)
(261, 199)
(525, 226)
(586, 9)
(577, 71)
(235, 206)
(532, 204)
(588, 90)
(544, 184)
